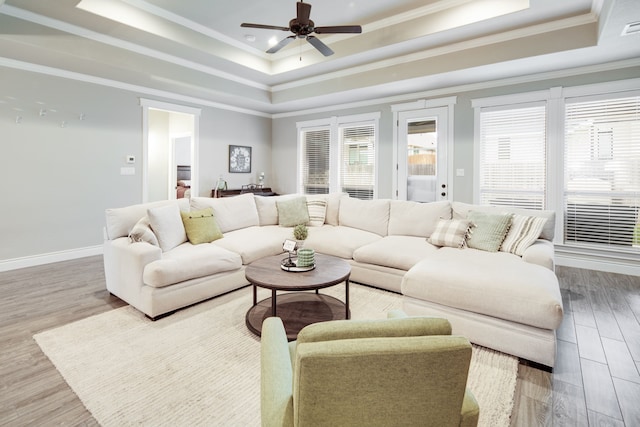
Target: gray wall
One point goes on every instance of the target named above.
(284, 143)
(58, 181)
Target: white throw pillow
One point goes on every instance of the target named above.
(167, 225)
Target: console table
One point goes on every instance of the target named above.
(264, 191)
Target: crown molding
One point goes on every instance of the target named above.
(132, 47)
(71, 75)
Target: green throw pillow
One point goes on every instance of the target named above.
(489, 230)
(292, 212)
(201, 226)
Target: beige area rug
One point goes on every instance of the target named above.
(201, 366)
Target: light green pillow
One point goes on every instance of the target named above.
(488, 230)
(292, 212)
(201, 226)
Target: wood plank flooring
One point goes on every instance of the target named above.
(596, 381)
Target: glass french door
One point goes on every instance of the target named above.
(422, 155)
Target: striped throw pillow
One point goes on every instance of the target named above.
(523, 232)
(317, 211)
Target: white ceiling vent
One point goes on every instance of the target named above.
(631, 28)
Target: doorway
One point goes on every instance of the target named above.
(422, 140)
(170, 151)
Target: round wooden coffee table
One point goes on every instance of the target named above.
(297, 309)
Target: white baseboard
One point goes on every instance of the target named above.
(41, 259)
(608, 265)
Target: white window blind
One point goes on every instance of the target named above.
(357, 165)
(315, 163)
(512, 162)
(602, 172)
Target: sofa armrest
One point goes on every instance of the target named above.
(124, 264)
(541, 253)
(276, 375)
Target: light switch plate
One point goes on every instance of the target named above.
(131, 159)
(127, 171)
(459, 172)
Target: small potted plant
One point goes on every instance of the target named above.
(300, 233)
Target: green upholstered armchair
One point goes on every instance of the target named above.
(394, 372)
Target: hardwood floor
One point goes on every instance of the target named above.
(596, 381)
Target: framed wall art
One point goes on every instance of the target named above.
(239, 159)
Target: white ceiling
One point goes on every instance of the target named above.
(195, 51)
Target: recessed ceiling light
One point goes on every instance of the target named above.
(250, 38)
(273, 41)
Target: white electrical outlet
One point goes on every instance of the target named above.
(131, 159)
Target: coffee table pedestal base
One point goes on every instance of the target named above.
(297, 310)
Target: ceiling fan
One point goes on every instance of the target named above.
(302, 27)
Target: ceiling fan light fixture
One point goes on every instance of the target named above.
(302, 27)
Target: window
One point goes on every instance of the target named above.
(602, 171)
(315, 150)
(357, 169)
(339, 155)
(512, 155)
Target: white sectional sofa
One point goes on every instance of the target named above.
(498, 299)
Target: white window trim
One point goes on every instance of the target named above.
(604, 259)
(334, 123)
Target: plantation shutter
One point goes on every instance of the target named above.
(602, 172)
(512, 152)
(357, 160)
(315, 161)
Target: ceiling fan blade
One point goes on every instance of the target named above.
(282, 44)
(304, 11)
(264, 27)
(323, 48)
(357, 29)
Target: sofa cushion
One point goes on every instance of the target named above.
(367, 215)
(120, 221)
(337, 240)
(408, 218)
(267, 209)
(252, 243)
(142, 232)
(292, 212)
(201, 226)
(401, 252)
(488, 230)
(461, 210)
(450, 232)
(495, 284)
(524, 231)
(189, 261)
(231, 213)
(166, 224)
(332, 216)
